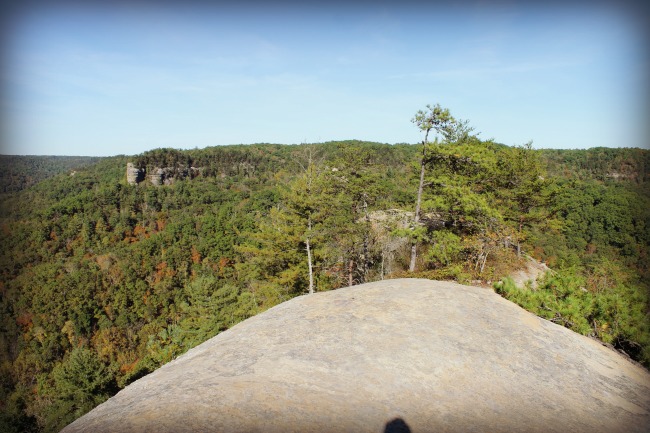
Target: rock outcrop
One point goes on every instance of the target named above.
(134, 175)
(397, 355)
(530, 274)
(159, 176)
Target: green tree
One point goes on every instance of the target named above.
(282, 256)
(354, 188)
(303, 202)
(81, 382)
(451, 130)
(522, 184)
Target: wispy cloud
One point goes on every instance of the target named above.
(482, 72)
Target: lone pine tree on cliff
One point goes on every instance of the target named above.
(451, 130)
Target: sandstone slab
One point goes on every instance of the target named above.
(404, 355)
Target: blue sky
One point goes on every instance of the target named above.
(120, 79)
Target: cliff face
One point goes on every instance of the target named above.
(134, 175)
(397, 355)
(158, 176)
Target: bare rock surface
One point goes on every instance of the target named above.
(531, 273)
(404, 355)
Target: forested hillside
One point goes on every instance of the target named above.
(20, 172)
(103, 281)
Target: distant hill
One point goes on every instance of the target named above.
(21, 172)
(601, 163)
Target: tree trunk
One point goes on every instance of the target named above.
(350, 271)
(366, 235)
(519, 237)
(309, 263)
(483, 264)
(309, 172)
(416, 219)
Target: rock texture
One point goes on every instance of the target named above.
(157, 177)
(530, 274)
(134, 175)
(398, 355)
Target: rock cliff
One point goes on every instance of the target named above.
(403, 355)
(134, 175)
(158, 176)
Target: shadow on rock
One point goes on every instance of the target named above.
(398, 425)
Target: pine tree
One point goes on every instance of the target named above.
(451, 130)
(521, 185)
(284, 254)
(355, 182)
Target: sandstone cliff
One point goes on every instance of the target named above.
(397, 355)
(158, 176)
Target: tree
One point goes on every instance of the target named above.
(521, 183)
(355, 186)
(303, 202)
(282, 254)
(461, 202)
(81, 382)
(441, 121)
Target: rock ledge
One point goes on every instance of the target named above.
(396, 355)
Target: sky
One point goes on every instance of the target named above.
(122, 78)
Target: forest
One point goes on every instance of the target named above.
(103, 280)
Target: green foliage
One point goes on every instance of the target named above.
(21, 172)
(616, 315)
(446, 247)
(600, 164)
(101, 282)
(441, 121)
(77, 384)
